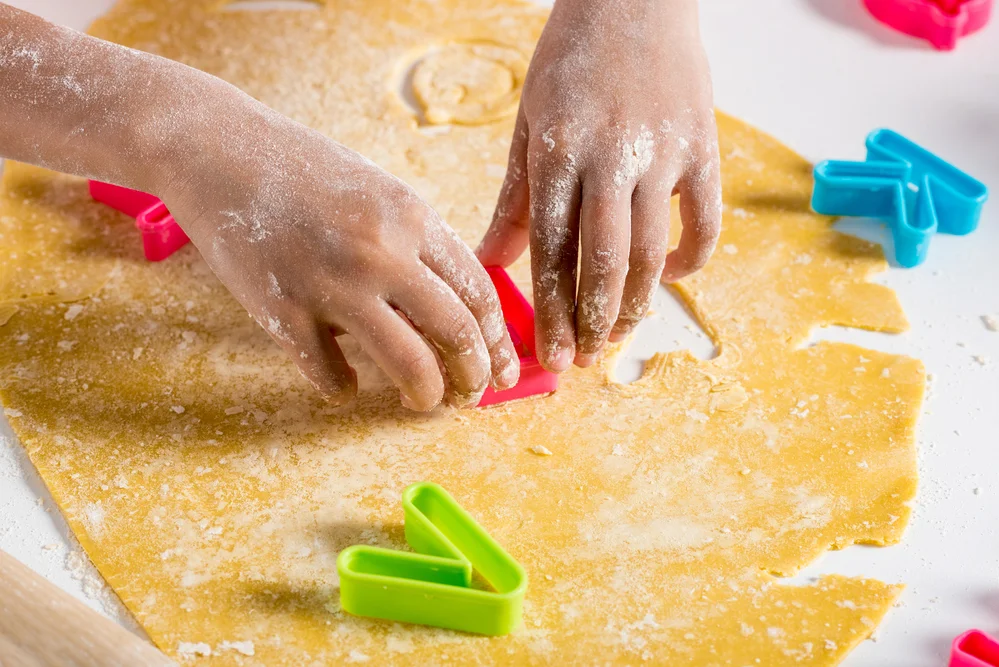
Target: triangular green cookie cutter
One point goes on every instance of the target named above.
(433, 585)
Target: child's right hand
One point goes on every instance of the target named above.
(311, 237)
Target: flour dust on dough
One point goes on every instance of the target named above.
(213, 488)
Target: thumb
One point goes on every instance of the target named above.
(701, 214)
(508, 235)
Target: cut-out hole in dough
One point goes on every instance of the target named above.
(880, 341)
(464, 82)
(670, 327)
(855, 560)
(272, 5)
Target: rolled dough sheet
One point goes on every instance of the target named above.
(213, 488)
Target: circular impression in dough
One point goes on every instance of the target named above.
(468, 82)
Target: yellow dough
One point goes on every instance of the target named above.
(213, 488)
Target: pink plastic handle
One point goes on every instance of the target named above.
(128, 201)
(941, 22)
(534, 379)
(161, 235)
(974, 649)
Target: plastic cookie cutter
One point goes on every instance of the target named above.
(941, 22)
(434, 585)
(161, 235)
(974, 649)
(906, 186)
(534, 379)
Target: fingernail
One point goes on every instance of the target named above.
(509, 375)
(408, 402)
(562, 361)
(585, 360)
(618, 336)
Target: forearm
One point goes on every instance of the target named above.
(677, 9)
(84, 106)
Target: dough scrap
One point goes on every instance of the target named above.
(654, 535)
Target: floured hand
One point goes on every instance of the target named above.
(311, 237)
(616, 116)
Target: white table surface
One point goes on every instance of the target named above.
(818, 74)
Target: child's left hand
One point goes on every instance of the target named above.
(616, 116)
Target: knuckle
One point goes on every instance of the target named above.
(555, 132)
(607, 264)
(493, 323)
(550, 242)
(392, 218)
(553, 148)
(647, 258)
(459, 333)
(420, 216)
(594, 318)
(379, 235)
(635, 308)
(705, 153)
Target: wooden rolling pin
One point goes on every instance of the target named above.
(43, 626)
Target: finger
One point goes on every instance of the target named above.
(604, 234)
(445, 321)
(452, 260)
(701, 212)
(507, 236)
(554, 236)
(402, 354)
(314, 350)
(650, 209)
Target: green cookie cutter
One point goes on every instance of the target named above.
(433, 585)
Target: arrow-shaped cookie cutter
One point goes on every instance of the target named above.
(519, 315)
(915, 192)
(161, 235)
(434, 585)
(974, 649)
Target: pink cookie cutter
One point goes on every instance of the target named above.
(974, 649)
(941, 22)
(534, 379)
(161, 235)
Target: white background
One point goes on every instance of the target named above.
(819, 75)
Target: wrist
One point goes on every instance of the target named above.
(178, 124)
(671, 20)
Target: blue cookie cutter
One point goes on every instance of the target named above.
(901, 183)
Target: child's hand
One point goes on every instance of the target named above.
(616, 115)
(310, 236)
(307, 234)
